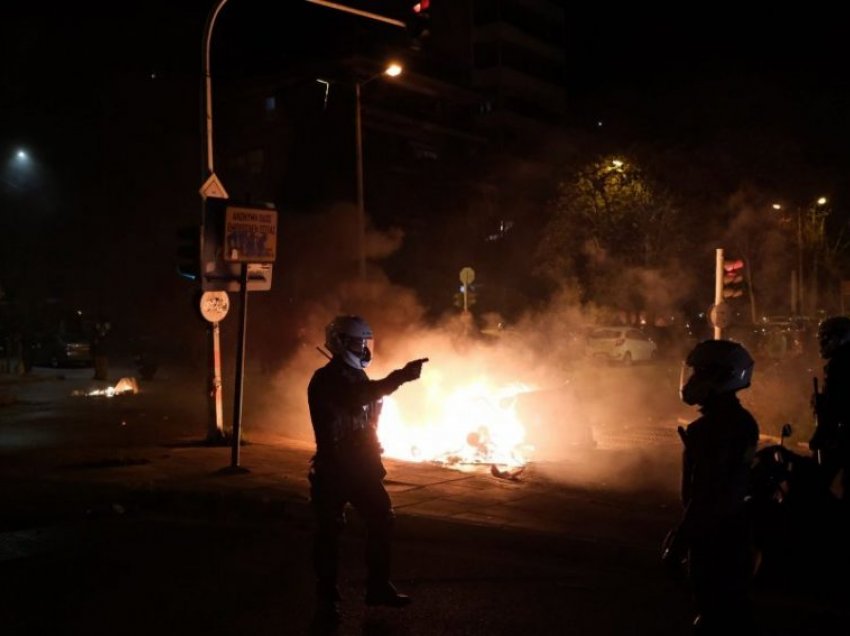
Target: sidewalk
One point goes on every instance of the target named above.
(181, 466)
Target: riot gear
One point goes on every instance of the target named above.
(833, 333)
(349, 337)
(712, 368)
(719, 450)
(347, 468)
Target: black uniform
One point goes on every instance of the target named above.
(347, 467)
(832, 435)
(715, 482)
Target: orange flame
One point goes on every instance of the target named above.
(472, 424)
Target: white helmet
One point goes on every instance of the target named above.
(712, 368)
(349, 337)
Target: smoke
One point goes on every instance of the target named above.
(571, 408)
(590, 424)
(760, 235)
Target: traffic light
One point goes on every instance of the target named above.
(733, 278)
(419, 22)
(189, 252)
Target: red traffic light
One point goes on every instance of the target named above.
(424, 5)
(733, 278)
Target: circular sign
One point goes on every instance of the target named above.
(467, 275)
(214, 305)
(720, 315)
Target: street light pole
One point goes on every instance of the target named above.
(215, 418)
(361, 206)
(208, 28)
(800, 277)
(392, 70)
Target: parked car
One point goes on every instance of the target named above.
(620, 344)
(61, 350)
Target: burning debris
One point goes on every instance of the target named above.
(123, 386)
(511, 475)
(465, 427)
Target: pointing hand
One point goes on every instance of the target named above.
(413, 369)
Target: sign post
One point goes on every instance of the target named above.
(467, 276)
(214, 307)
(250, 237)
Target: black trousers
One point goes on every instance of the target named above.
(721, 568)
(330, 491)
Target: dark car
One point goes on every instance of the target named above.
(61, 350)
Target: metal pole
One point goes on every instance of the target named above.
(801, 284)
(361, 212)
(240, 367)
(208, 28)
(360, 12)
(718, 287)
(216, 420)
(215, 427)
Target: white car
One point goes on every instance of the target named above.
(620, 344)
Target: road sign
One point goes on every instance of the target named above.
(467, 275)
(214, 305)
(213, 189)
(250, 235)
(720, 315)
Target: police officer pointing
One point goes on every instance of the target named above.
(347, 468)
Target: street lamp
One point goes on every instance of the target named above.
(392, 70)
(808, 221)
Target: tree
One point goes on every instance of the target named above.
(610, 222)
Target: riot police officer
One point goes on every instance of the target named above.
(831, 439)
(344, 408)
(719, 449)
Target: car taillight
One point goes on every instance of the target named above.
(620, 342)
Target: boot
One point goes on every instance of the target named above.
(327, 614)
(385, 594)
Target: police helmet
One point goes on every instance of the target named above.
(712, 368)
(833, 333)
(348, 337)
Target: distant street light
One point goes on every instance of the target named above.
(392, 70)
(22, 155)
(806, 220)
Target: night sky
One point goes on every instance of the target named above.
(769, 90)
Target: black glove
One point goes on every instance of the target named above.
(412, 370)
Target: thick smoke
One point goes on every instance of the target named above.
(590, 424)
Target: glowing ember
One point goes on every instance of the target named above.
(475, 424)
(124, 385)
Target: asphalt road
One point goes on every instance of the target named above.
(81, 554)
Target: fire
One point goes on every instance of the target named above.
(124, 385)
(472, 424)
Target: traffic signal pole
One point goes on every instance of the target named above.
(718, 288)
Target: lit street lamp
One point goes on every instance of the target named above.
(392, 70)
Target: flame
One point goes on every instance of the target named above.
(472, 424)
(124, 385)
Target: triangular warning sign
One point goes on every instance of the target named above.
(212, 189)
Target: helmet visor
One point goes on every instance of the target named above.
(361, 348)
